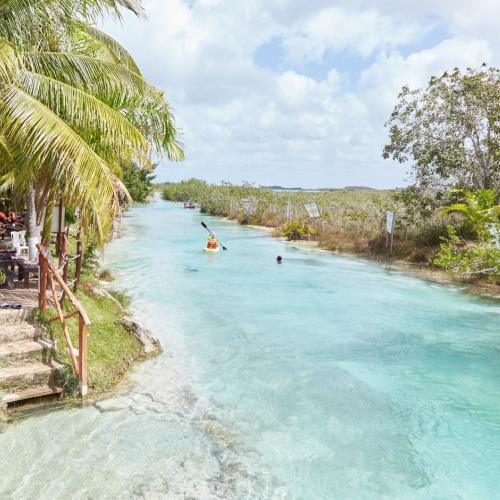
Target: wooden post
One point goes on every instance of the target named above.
(60, 233)
(80, 366)
(82, 358)
(42, 283)
(60, 313)
(78, 262)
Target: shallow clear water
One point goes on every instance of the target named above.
(325, 377)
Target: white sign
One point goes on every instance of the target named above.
(312, 209)
(495, 233)
(57, 226)
(390, 222)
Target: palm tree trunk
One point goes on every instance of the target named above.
(33, 228)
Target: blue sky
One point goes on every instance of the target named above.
(296, 92)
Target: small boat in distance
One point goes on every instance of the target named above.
(189, 204)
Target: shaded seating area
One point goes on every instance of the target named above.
(14, 259)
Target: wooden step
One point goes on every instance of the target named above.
(14, 316)
(31, 374)
(23, 347)
(31, 393)
(20, 331)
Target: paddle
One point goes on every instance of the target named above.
(206, 227)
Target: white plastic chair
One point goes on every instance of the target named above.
(19, 243)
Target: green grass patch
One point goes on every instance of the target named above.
(121, 297)
(112, 348)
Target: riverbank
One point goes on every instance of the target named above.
(116, 343)
(354, 221)
(420, 270)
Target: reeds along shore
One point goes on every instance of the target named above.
(351, 220)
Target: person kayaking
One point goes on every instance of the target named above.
(212, 242)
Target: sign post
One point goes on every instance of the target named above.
(391, 219)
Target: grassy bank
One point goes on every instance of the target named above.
(113, 349)
(351, 220)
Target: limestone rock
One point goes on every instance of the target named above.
(148, 340)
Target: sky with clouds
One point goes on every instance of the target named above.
(296, 92)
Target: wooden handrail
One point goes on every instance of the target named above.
(60, 281)
(71, 350)
(48, 273)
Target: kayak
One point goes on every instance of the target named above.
(211, 250)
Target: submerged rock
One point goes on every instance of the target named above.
(148, 340)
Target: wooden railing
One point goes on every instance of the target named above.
(49, 275)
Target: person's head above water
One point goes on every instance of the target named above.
(279, 259)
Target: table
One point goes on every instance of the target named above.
(25, 268)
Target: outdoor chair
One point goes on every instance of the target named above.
(19, 243)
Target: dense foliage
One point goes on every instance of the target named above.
(467, 259)
(450, 131)
(74, 107)
(138, 181)
(479, 208)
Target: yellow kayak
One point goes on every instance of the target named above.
(211, 250)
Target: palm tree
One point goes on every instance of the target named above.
(74, 107)
(479, 208)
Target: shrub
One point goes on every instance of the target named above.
(468, 259)
(296, 230)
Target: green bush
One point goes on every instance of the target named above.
(296, 230)
(468, 259)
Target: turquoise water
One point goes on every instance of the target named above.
(325, 377)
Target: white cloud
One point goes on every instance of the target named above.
(283, 125)
(360, 32)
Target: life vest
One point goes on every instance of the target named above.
(212, 243)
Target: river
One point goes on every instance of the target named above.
(323, 377)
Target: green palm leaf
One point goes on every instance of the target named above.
(82, 111)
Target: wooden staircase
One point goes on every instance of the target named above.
(27, 368)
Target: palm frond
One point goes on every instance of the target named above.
(82, 111)
(117, 52)
(41, 138)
